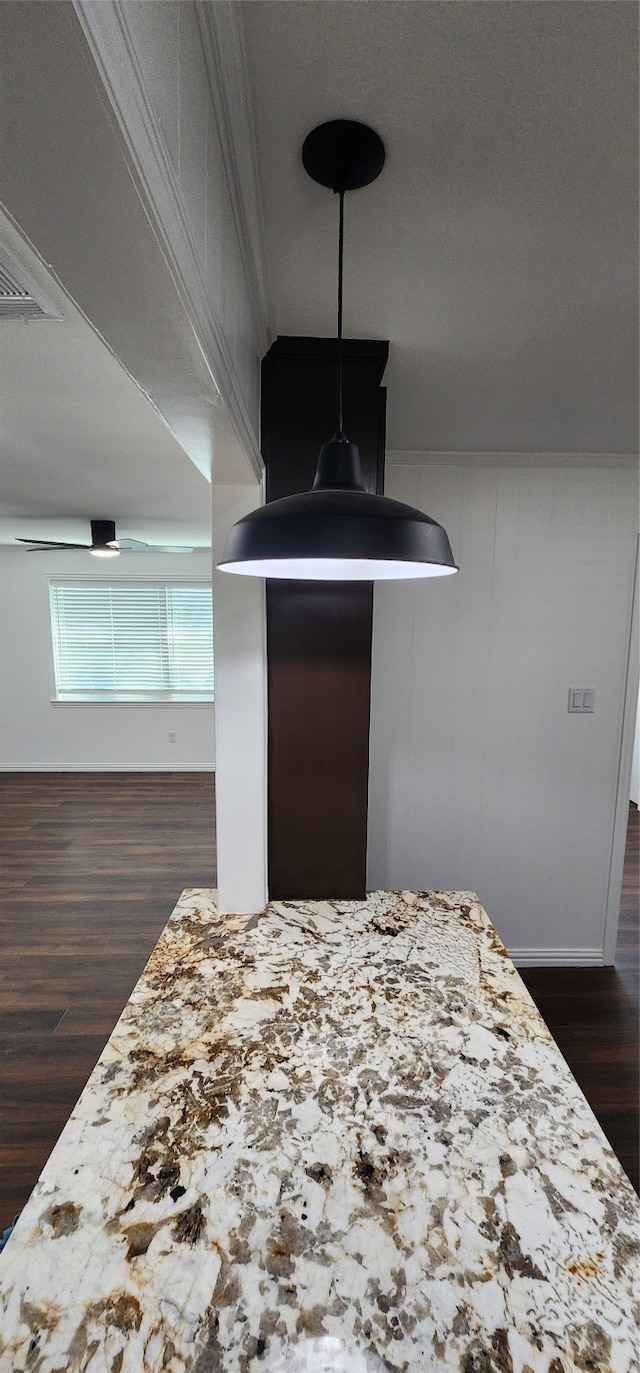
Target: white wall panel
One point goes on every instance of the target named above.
(37, 734)
(480, 778)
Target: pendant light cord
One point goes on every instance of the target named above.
(340, 259)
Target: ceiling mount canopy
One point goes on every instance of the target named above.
(338, 531)
(343, 155)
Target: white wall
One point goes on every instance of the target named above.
(241, 718)
(37, 734)
(479, 777)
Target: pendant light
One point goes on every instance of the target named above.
(338, 531)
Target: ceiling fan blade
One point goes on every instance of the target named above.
(51, 543)
(133, 546)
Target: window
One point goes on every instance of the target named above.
(132, 641)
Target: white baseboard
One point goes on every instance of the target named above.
(557, 958)
(104, 767)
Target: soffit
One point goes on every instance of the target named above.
(79, 439)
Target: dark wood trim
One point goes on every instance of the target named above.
(373, 350)
(319, 634)
(319, 676)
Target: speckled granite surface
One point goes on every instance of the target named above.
(333, 1137)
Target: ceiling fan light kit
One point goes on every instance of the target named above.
(338, 531)
(103, 539)
(104, 543)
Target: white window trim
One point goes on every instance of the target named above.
(118, 701)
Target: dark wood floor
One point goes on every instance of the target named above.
(92, 865)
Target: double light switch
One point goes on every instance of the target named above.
(582, 700)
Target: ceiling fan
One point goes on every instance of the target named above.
(104, 543)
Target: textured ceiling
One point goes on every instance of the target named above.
(498, 250)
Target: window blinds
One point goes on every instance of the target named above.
(132, 641)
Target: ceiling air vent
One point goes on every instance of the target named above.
(16, 302)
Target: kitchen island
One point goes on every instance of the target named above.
(332, 1136)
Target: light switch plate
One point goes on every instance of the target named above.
(582, 700)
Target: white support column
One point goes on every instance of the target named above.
(241, 718)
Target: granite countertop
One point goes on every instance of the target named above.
(337, 1136)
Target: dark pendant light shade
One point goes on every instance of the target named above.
(338, 531)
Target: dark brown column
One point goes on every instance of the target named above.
(319, 633)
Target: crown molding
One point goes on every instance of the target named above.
(108, 36)
(416, 458)
(223, 46)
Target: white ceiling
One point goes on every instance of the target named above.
(498, 250)
(78, 439)
(497, 253)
